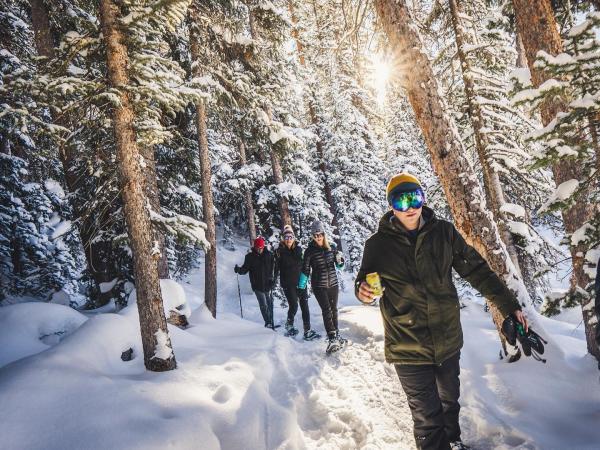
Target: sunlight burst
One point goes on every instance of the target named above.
(380, 75)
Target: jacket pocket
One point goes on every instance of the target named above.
(404, 320)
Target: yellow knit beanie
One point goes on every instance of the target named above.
(402, 182)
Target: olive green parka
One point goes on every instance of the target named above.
(420, 307)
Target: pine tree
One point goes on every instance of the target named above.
(573, 135)
(537, 26)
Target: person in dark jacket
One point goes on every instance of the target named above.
(322, 259)
(260, 263)
(414, 254)
(288, 264)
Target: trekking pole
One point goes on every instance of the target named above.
(240, 296)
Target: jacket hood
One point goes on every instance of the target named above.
(390, 225)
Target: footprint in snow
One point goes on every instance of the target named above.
(222, 394)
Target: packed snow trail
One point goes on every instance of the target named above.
(241, 386)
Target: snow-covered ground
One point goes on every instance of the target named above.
(241, 386)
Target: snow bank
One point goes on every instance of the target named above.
(174, 299)
(30, 328)
(226, 396)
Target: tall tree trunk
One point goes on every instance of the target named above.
(537, 26)
(5, 145)
(158, 352)
(100, 264)
(457, 177)
(153, 194)
(42, 31)
(314, 119)
(210, 260)
(248, 198)
(491, 181)
(284, 208)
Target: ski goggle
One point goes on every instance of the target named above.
(403, 201)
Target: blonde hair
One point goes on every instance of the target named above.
(293, 243)
(325, 242)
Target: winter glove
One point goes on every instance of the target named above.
(236, 269)
(339, 260)
(303, 281)
(270, 284)
(531, 342)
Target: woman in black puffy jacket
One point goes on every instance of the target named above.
(288, 263)
(322, 259)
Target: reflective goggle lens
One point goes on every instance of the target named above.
(403, 201)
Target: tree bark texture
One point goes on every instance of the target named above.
(42, 31)
(149, 298)
(153, 194)
(248, 199)
(210, 259)
(491, 181)
(100, 263)
(457, 177)
(284, 208)
(537, 26)
(210, 263)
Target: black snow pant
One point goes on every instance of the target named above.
(328, 299)
(432, 392)
(291, 293)
(265, 302)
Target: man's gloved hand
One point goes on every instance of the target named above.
(515, 328)
(236, 269)
(270, 284)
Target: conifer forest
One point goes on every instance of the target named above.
(174, 173)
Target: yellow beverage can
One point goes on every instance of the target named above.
(374, 281)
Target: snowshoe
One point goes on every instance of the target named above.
(333, 346)
(290, 330)
(310, 335)
(342, 341)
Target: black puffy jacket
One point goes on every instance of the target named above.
(288, 264)
(261, 268)
(322, 263)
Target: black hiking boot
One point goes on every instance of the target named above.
(333, 344)
(310, 335)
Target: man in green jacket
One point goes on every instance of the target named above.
(414, 254)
